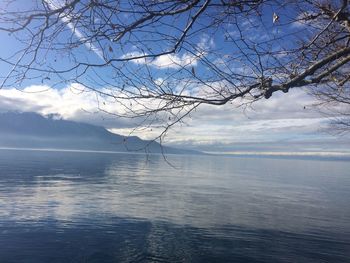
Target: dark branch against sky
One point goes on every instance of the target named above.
(159, 62)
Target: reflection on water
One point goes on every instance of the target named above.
(91, 207)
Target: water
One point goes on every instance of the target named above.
(94, 207)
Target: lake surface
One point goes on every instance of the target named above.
(94, 207)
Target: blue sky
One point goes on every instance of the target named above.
(286, 122)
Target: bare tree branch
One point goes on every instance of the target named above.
(157, 61)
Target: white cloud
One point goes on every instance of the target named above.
(73, 102)
(282, 118)
(174, 61)
(165, 61)
(64, 101)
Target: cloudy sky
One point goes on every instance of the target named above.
(284, 123)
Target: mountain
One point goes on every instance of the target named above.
(31, 130)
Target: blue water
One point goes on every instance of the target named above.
(94, 207)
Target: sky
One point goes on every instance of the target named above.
(284, 123)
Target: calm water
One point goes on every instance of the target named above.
(93, 207)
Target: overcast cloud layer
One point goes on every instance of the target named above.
(286, 122)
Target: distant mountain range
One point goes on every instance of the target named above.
(31, 130)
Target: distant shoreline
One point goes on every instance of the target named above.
(284, 155)
(297, 155)
(90, 151)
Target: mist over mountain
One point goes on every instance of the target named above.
(31, 130)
